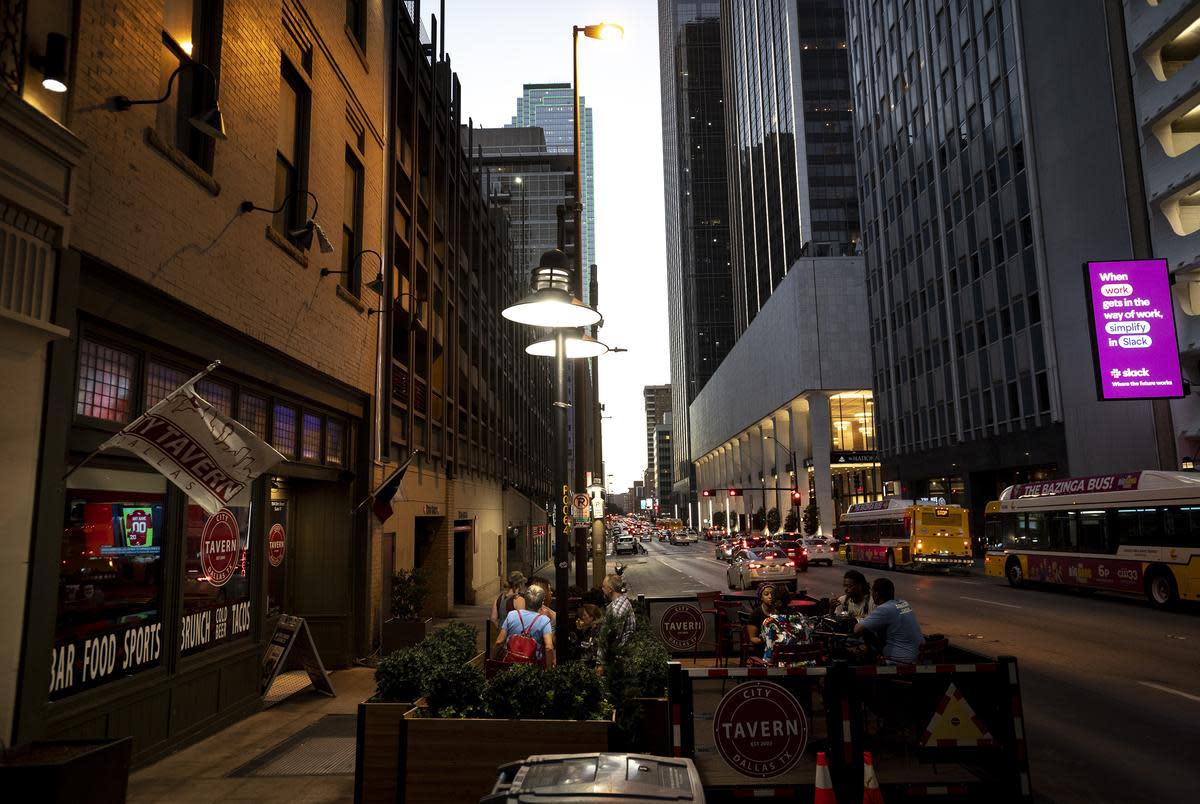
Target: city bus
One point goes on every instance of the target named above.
(906, 533)
(1137, 533)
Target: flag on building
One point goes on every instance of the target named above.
(390, 491)
(210, 457)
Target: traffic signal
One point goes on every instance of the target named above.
(706, 493)
(796, 496)
(735, 492)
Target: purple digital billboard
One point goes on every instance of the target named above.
(1134, 330)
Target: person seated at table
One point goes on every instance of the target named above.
(893, 623)
(857, 598)
(764, 609)
(784, 627)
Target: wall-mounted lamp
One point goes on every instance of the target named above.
(53, 63)
(210, 121)
(376, 284)
(302, 235)
(418, 299)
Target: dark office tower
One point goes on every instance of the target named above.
(990, 170)
(790, 141)
(699, 283)
(658, 403)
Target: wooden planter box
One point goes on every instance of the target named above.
(399, 634)
(456, 759)
(377, 751)
(67, 771)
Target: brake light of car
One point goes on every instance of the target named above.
(791, 563)
(756, 566)
(804, 552)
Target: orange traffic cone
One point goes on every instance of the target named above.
(824, 791)
(871, 792)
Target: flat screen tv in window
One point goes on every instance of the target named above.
(1133, 330)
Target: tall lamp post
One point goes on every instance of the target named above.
(552, 305)
(795, 477)
(584, 405)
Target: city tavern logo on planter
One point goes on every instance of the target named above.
(760, 729)
(220, 547)
(682, 626)
(275, 545)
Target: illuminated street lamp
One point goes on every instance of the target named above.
(579, 347)
(551, 305)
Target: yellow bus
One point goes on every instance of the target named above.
(1137, 533)
(906, 533)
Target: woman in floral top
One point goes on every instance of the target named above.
(783, 628)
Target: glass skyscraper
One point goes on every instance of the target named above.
(549, 107)
(790, 141)
(699, 278)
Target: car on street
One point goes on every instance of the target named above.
(692, 535)
(751, 568)
(645, 537)
(796, 551)
(724, 550)
(819, 551)
(677, 537)
(625, 544)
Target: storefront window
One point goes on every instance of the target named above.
(216, 578)
(110, 579)
(160, 381)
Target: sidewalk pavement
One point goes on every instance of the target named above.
(199, 774)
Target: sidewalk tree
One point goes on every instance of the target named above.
(758, 520)
(718, 519)
(790, 522)
(773, 520)
(812, 518)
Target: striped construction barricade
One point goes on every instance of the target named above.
(944, 732)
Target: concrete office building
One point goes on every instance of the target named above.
(990, 170)
(796, 383)
(699, 283)
(1162, 42)
(657, 399)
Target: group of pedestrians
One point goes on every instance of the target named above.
(886, 624)
(527, 623)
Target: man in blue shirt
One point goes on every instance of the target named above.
(894, 623)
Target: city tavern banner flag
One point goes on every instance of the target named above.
(211, 458)
(390, 491)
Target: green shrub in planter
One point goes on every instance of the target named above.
(574, 692)
(456, 692)
(451, 646)
(517, 693)
(637, 669)
(402, 675)
(410, 589)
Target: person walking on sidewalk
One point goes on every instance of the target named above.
(504, 602)
(528, 623)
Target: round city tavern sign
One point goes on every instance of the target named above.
(275, 545)
(760, 729)
(682, 626)
(220, 547)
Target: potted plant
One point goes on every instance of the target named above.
(407, 625)
(401, 680)
(489, 719)
(635, 674)
(67, 771)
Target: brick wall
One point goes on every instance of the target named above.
(140, 212)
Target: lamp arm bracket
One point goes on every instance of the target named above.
(122, 102)
(249, 206)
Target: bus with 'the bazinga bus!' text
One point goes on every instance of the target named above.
(906, 533)
(1137, 533)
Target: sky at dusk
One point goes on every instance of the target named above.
(497, 47)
